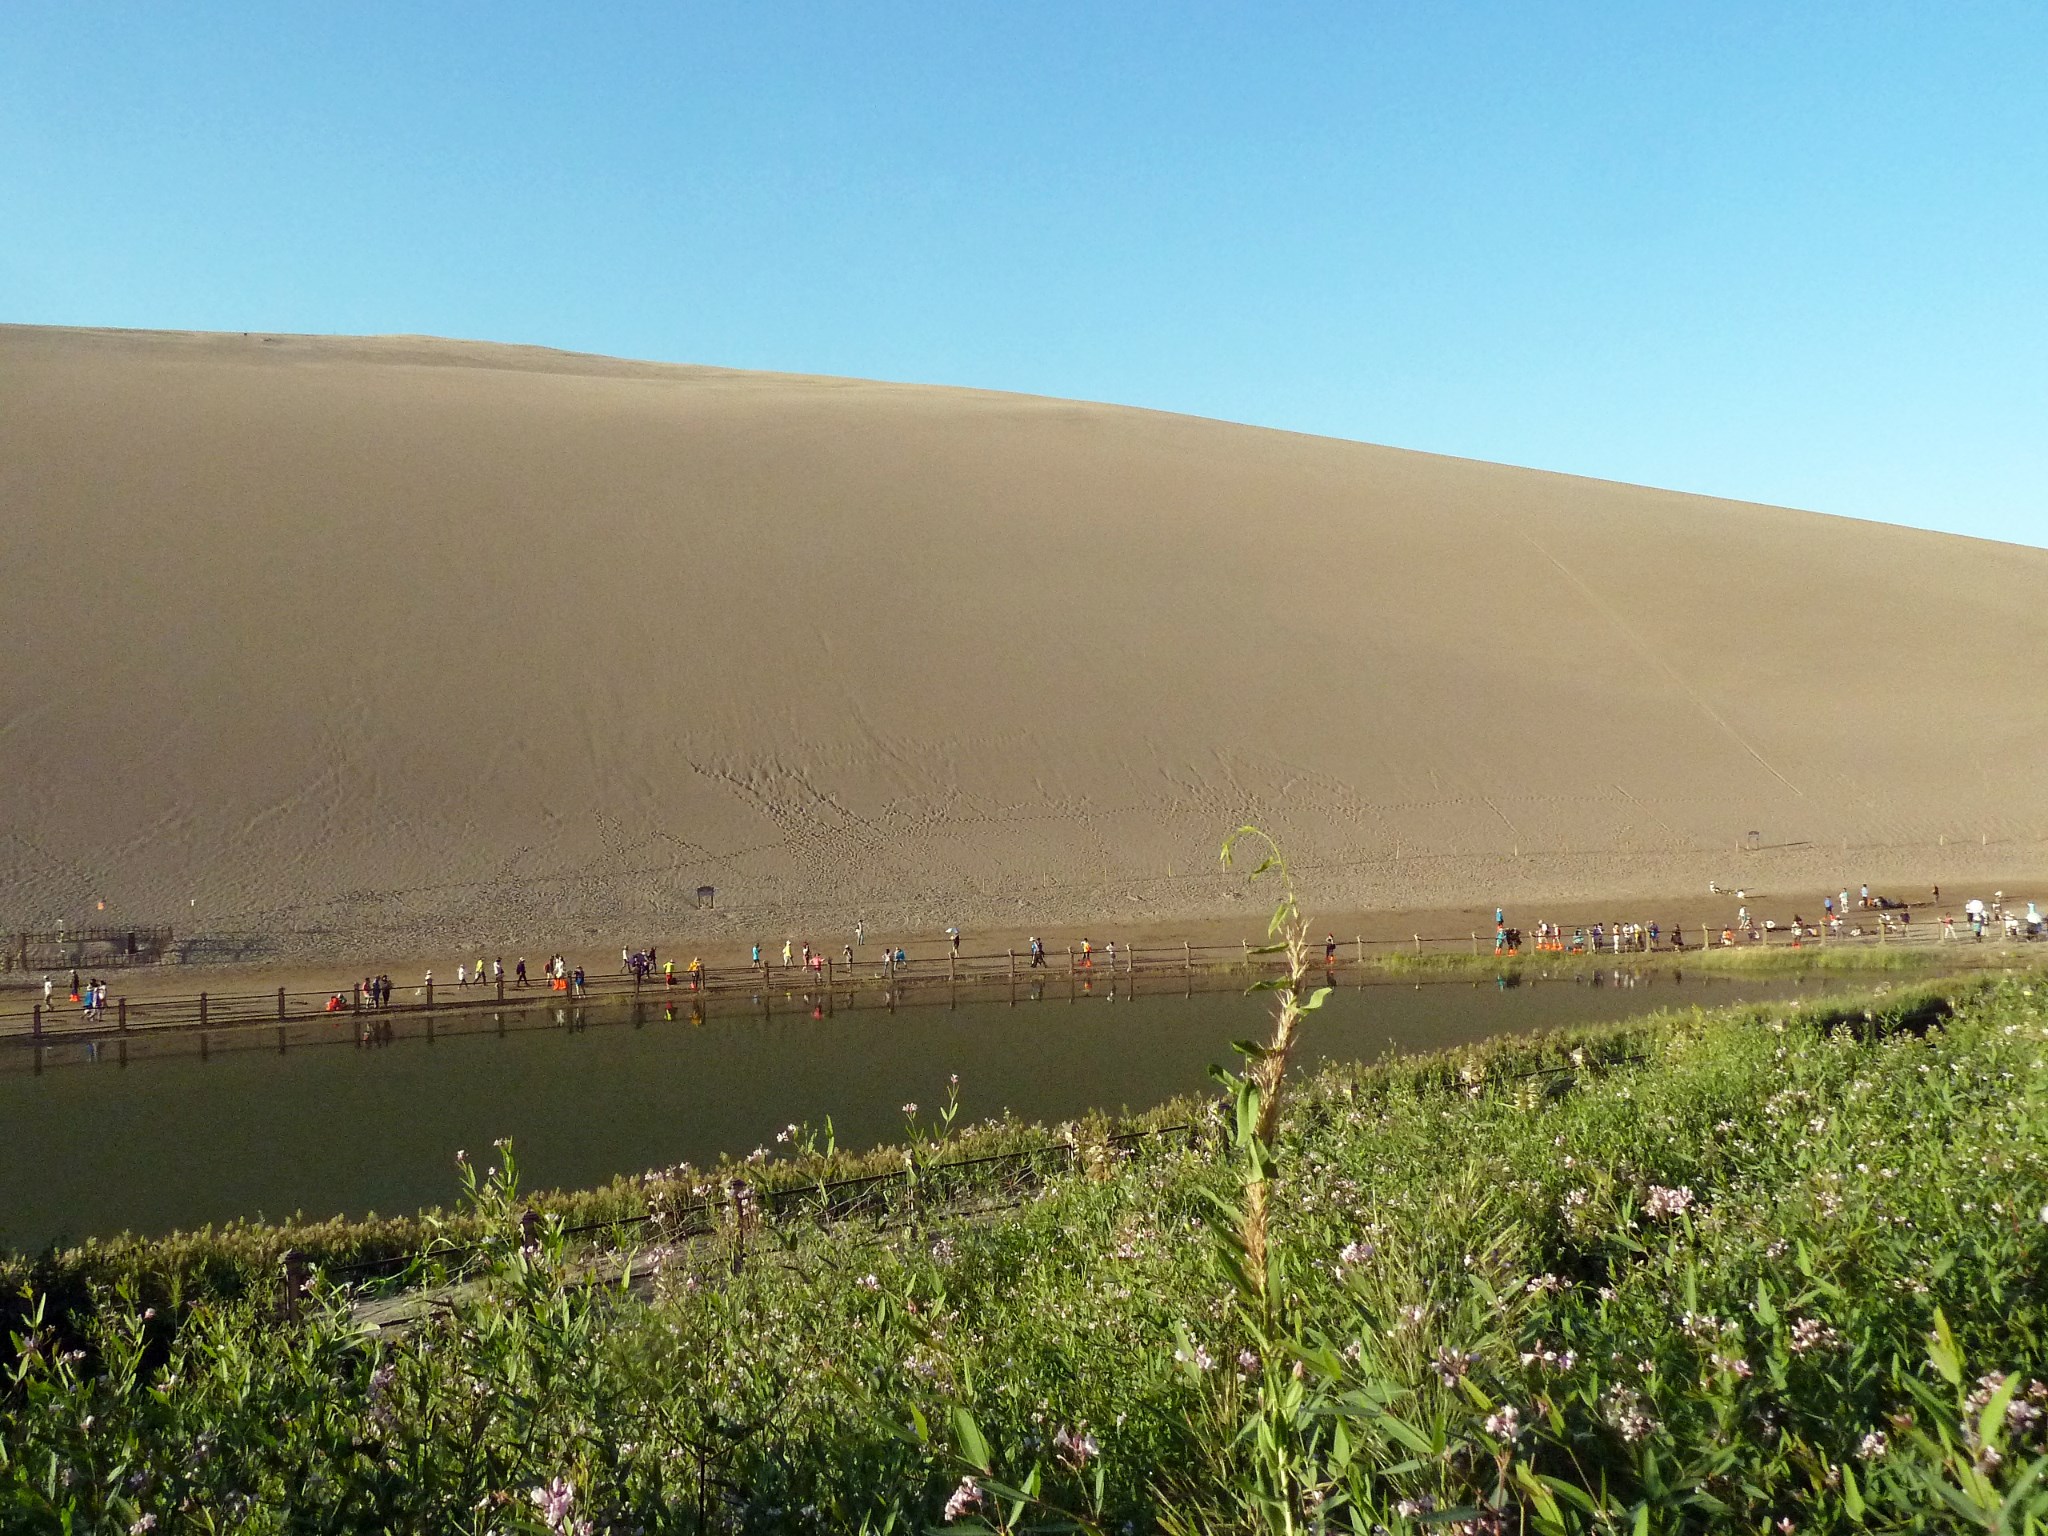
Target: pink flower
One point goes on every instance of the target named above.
(1075, 1449)
(966, 1500)
(554, 1501)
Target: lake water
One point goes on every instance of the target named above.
(153, 1136)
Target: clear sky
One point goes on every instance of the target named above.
(1789, 253)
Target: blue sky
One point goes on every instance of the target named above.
(1795, 254)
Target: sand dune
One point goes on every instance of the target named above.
(339, 640)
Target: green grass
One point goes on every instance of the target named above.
(1855, 959)
(1676, 1280)
(1755, 959)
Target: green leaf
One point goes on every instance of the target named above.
(1538, 1495)
(1315, 998)
(1408, 1435)
(1766, 1310)
(1571, 1493)
(1942, 1353)
(1852, 1496)
(973, 1448)
(1991, 1422)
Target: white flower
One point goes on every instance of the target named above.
(1506, 1424)
(1664, 1203)
(1451, 1365)
(1629, 1414)
(966, 1500)
(1810, 1333)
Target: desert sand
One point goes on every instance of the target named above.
(346, 646)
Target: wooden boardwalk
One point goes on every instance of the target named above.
(286, 1018)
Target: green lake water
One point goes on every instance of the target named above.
(169, 1139)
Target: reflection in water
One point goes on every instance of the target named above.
(150, 1134)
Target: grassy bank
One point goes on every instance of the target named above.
(1753, 960)
(1699, 1271)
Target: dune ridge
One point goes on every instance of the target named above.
(348, 642)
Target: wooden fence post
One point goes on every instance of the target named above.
(357, 997)
(1418, 943)
(501, 986)
(1070, 959)
(1013, 965)
(294, 1282)
(280, 1003)
(35, 1022)
(430, 991)
(121, 1013)
(1187, 955)
(202, 1010)
(1475, 941)
(1360, 942)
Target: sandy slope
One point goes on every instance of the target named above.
(348, 642)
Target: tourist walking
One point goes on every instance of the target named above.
(47, 989)
(520, 973)
(787, 950)
(1037, 953)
